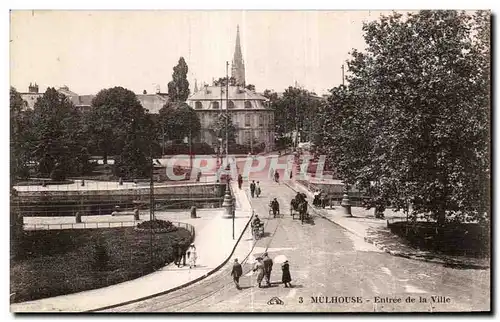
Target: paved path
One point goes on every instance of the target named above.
(328, 263)
(214, 244)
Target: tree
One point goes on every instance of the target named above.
(20, 140)
(218, 128)
(178, 88)
(177, 121)
(294, 112)
(413, 124)
(120, 125)
(55, 132)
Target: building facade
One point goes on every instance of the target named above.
(151, 102)
(249, 111)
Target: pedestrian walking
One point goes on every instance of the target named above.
(268, 267)
(178, 255)
(276, 176)
(240, 180)
(286, 278)
(323, 199)
(192, 256)
(252, 188)
(257, 190)
(236, 273)
(259, 268)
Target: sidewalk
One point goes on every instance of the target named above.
(375, 231)
(214, 245)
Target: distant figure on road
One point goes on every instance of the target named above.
(259, 268)
(316, 198)
(192, 256)
(257, 190)
(240, 180)
(198, 176)
(236, 273)
(275, 207)
(286, 278)
(268, 267)
(276, 176)
(252, 188)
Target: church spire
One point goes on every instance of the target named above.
(238, 67)
(195, 86)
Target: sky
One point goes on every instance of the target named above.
(92, 50)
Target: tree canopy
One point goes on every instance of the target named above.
(178, 88)
(177, 121)
(412, 126)
(118, 124)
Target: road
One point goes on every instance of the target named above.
(328, 265)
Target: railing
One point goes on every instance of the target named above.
(95, 225)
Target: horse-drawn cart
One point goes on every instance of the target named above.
(298, 207)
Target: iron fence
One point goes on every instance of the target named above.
(96, 225)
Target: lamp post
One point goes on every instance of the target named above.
(228, 204)
(346, 202)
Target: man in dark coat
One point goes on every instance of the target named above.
(240, 181)
(236, 273)
(286, 278)
(178, 257)
(252, 188)
(268, 267)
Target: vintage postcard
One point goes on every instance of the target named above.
(250, 161)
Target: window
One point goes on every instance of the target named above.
(248, 136)
(247, 120)
(230, 104)
(248, 104)
(198, 105)
(215, 105)
(261, 120)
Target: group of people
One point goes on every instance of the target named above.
(320, 198)
(255, 190)
(263, 268)
(189, 253)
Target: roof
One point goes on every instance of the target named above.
(65, 90)
(85, 99)
(235, 93)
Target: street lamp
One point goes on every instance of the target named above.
(346, 202)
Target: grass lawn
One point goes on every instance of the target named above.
(61, 262)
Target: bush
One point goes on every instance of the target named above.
(100, 259)
(59, 262)
(183, 148)
(58, 175)
(157, 224)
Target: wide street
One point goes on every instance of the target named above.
(328, 265)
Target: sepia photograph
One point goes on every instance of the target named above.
(250, 161)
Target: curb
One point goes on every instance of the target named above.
(180, 286)
(384, 248)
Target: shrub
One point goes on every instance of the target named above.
(100, 259)
(157, 224)
(58, 175)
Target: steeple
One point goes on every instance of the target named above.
(195, 86)
(238, 67)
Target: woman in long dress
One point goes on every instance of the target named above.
(286, 278)
(259, 268)
(192, 256)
